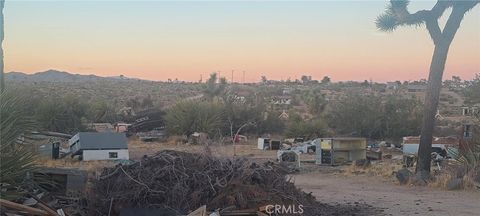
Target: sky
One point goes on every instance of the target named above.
(187, 40)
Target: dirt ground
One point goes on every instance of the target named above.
(330, 186)
(333, 187)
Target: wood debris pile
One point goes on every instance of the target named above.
(184, 182)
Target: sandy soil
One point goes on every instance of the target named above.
(334, 188)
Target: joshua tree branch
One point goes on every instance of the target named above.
(453, 22)
(439, 8)
(434, 30)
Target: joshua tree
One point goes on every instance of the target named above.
(397, 15)
(2, 75)
(214, 89)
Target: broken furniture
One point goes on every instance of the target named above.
(374, 155)
(64, 180)
(263, 143)
(274, 144)
(267, 143)
(334, 151)
(289, 158)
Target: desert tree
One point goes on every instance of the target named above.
(356, 114)
(397, 15)
(214, 87)
(326, 80)
(264, 79)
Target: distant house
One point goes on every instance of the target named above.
(392, 85)
(416, 88)
(470, 111)
(101, 127)
(282, 100)
(99, 146)
(287, 91)
(238, 99)
(121, 127)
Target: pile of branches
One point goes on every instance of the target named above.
(182, 182)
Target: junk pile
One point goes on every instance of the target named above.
(301, 147)
(48, 205)
(183, 182)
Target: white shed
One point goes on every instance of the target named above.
(99, 146)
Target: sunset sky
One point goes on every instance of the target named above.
(158, 40)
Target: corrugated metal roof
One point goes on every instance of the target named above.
(92, 140)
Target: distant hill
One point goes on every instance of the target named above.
(58, 76)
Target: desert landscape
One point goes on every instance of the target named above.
(239, 108)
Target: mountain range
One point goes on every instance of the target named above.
(58, 76)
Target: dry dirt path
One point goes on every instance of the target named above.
(384, 194)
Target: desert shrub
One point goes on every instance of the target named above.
(472, 92)
(308, 129)
(375, 116)
(64, 114)
(271, 124)
(186, 118)
(100, 111)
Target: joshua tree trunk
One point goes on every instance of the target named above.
(431, 103)
(2, 75)
(442, 41)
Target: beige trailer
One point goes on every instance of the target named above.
(333, 151)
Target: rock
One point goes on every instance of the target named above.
(403, 175)
(455, 184)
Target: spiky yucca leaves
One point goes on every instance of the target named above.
(16, 160)
(396, 15)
